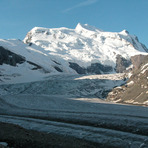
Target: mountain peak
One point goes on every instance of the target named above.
(124, 32)
(86, 27)
(38, 29)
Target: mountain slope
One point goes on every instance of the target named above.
(22, 63)
(135, 91)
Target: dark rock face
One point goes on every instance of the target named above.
(58, 69)
(35, 65)
(56, 62)
(12, 59)
(145, 48)
(9, 57)
(121, 64)
(137, 60)
(97, 68)
(77, 68)
(94, 68)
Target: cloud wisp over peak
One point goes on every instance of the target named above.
(82, 4)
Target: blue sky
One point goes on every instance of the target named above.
(17, 17)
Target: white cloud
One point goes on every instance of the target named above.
(83, 4)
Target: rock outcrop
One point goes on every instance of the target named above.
(10, 58)
(137, 61)
(121, 64)
(135, 91)
(94, 68)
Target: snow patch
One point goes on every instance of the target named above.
(130, 83)
(3, 143)
(144, 66)
(144, 70)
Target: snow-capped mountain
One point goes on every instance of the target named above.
(83, 50)
(86, 46)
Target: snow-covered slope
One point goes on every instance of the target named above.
(31, 53)
(83, 50)
(22, 63)
(85, 44)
